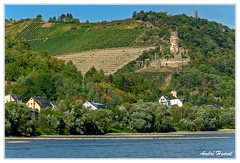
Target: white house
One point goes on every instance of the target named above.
(164, 100)
(13, 97)
(93, 105)
(177, 102)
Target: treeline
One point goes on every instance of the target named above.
(64, 18)
(143, 117)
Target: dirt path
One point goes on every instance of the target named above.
(167, 80)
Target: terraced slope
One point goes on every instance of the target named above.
(109, 60)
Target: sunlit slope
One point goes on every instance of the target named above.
(92, 39)
(60, 39)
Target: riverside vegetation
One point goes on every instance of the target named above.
(130, 97)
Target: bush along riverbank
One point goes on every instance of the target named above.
(142, 117)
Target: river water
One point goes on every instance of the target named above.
(212, 145)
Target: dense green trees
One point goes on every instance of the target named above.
(64, 18)
(18, 121)
(38, 74)
(145, 117)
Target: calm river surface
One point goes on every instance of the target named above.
(196, 145)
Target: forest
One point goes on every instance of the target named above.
(143, 117)
(130, 97)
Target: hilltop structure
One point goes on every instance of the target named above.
(174, 46)
(173, 55)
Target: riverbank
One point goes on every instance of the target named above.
(116, 135)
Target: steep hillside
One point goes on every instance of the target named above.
(81, 39)
(59, 38)
(210, 76)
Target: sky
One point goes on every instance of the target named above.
(224, 14)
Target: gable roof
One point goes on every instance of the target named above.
(15, 97)
(166, 97)
(93, 105)
(97, 105)
(42, 102)
(163, 102)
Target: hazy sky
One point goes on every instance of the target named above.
(224, 14)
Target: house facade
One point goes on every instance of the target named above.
(93, 105)
(38, 103)
(164, 100)
(13, 97)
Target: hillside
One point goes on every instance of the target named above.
(64, 39)
(130, 94)
(211, 52)
(210, 76)
(109, 60)
(55, 37)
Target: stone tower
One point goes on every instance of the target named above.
(196, 14)
(174, 45)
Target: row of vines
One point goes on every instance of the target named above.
(92, 39)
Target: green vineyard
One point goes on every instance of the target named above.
(29, 30)
(60, 39)
(92, 39)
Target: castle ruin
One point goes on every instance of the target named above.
(176, 50)
(174, 45)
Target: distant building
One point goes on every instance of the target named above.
(196, 14)
(164, 100)
(38, 103)
(93, 105)
(177, 102)
(13, 97)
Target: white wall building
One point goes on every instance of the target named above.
(93, 105)
(164, 100)
(177, 102)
